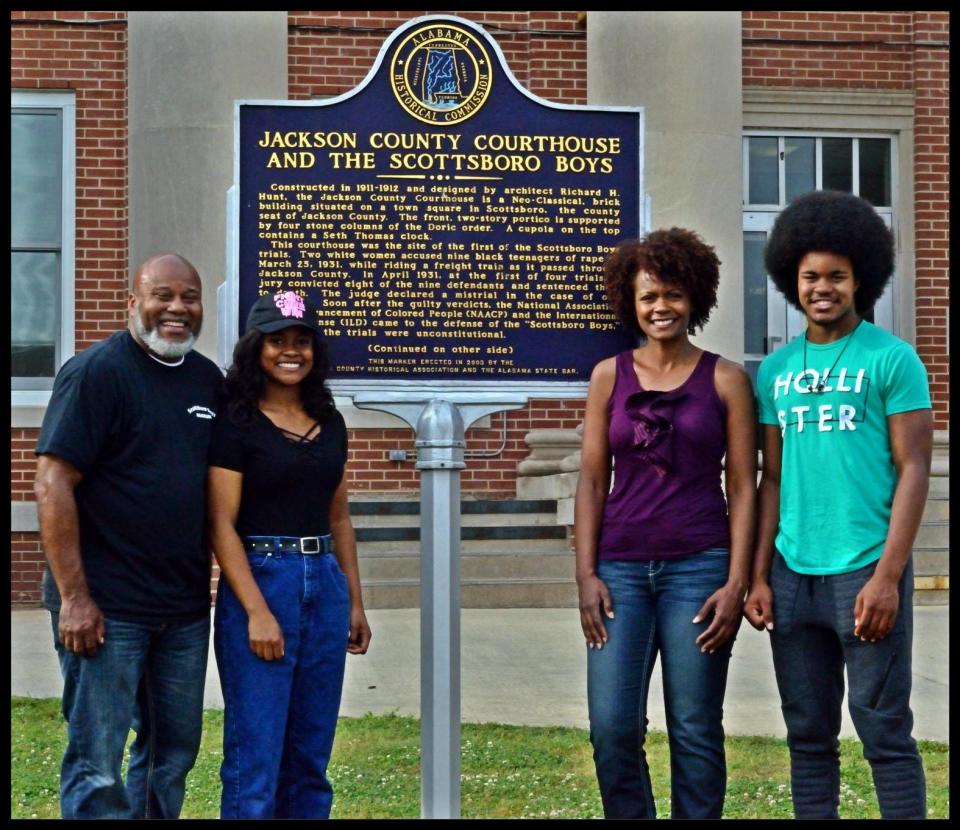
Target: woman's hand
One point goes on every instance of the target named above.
(726, 605)
(594, 601)
(266, 637)
(360, 633)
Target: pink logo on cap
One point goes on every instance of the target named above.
(290, 303)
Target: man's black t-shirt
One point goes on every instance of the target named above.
(287, 484)
(139, 432)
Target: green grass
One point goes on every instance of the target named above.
(506, 771)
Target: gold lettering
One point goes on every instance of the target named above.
(304, 139)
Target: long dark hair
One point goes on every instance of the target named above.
(245, 383)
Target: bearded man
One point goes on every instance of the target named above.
(120, 496)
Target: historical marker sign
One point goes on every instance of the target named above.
(449, 225)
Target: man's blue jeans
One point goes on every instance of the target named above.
(812, 640)
(281, 715)
(150, 678)
(654, 604)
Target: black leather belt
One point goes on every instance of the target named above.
(289, 544)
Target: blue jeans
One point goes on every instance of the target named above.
(654, 604)
(812, 641)
(150, 678)
(281, 715)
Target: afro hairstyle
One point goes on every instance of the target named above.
(676, 256)
(838, 223)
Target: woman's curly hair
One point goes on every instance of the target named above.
(838, 223)
(245, 383)
(676, 256)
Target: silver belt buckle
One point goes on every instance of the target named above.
(314, 541)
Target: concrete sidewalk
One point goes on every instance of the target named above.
(528, 666)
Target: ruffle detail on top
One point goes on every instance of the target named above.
(651, 412)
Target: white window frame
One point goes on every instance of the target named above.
(869, 113)
(818, 135)
(886, 318)
(65, 102)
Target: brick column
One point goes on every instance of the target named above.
(931, 172)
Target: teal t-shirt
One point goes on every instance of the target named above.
(837, 477)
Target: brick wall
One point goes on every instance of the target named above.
(370, 471)
(88, 55)
(330, 53)
(931, 173)
(880, 50)
(85, 53)
(841, 50)
(22, 463)
(26, 566)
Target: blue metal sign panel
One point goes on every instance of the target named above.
(449, 225)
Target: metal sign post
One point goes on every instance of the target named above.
(440, 425)
(440, 443)
(450, 228)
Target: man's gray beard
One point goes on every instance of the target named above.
(155, 343)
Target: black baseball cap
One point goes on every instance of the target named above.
(273, 312)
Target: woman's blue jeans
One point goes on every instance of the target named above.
(812, 642)
(654, 604)
(280, 716)
(146, 677)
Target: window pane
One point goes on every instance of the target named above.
(838, 164)
(764, 172)
(34, 304)
(800, 163)
(754, 293)
(35, 157)
(875, 171)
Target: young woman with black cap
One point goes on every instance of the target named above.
(289, 607)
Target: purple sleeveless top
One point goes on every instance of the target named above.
(667, 500)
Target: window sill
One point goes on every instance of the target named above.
(27, 408)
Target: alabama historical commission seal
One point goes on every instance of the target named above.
(441, 74)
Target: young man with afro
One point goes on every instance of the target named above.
(847, 443)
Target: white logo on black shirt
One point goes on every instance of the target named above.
(202, 412)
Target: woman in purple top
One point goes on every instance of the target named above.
(663, 558)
